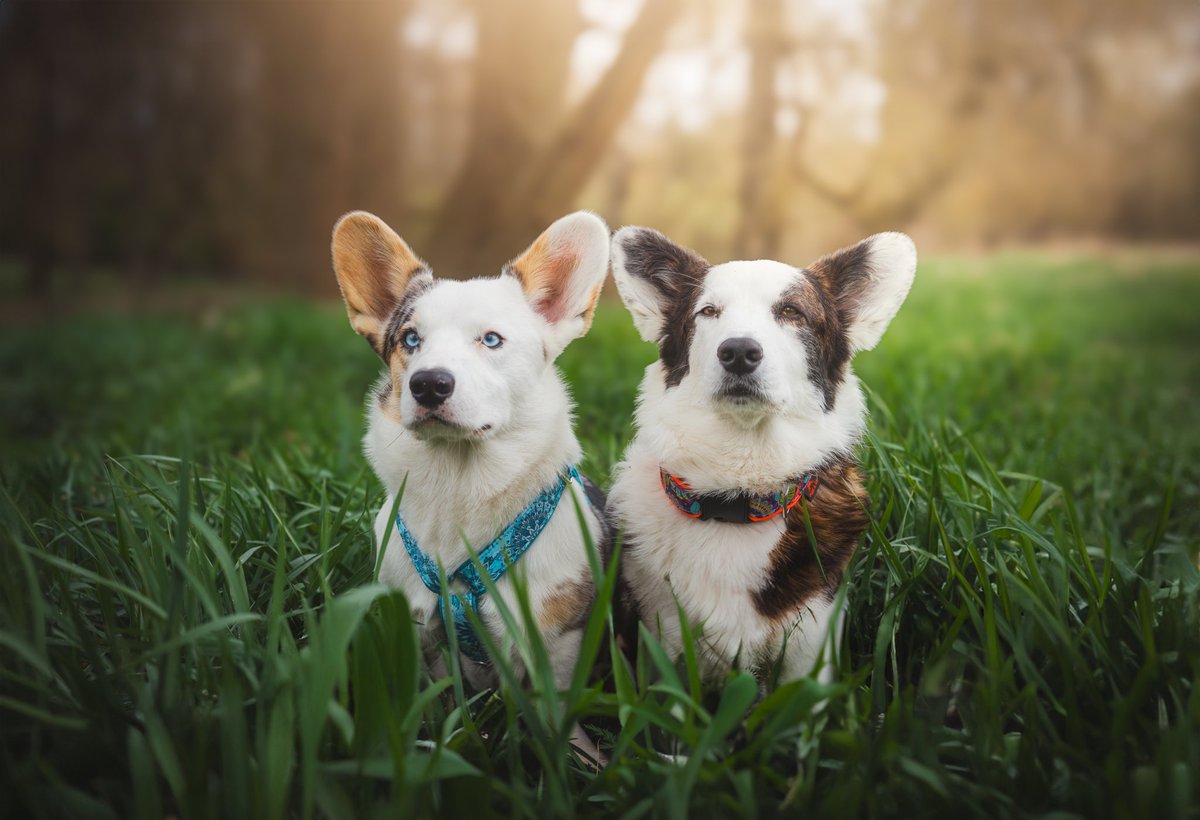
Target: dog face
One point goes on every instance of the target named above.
(463, 356)
(761, 338)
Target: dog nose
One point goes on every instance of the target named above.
(740, 355)
(431, 387)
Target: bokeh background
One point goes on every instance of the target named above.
(146, 144)
(185, 509)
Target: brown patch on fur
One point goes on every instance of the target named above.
(398, 360)
(800, 570)
(566, 608)
(373, 266)
(387, 396)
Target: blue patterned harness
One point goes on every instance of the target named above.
(496, 558)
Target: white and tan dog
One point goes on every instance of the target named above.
(472, 418)
(746, 422)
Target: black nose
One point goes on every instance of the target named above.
(740, 356)
(431, 387)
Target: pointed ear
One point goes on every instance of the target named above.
(652, 275)
(374, 267)
(869, 281)
(562, 274)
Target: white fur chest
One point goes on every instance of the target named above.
(447, 509)
(711, 569)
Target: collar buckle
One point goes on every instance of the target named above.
(731, 510)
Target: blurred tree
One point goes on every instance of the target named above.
(762, 189)
(519, 72)
(193, 135)
(29, 72)
(511, 187)
(330, 127)
(1001, 129)
(225, 138)
(935, 96)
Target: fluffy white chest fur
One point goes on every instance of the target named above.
(710, 569)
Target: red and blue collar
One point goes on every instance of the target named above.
(738, 508)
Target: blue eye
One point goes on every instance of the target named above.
(492, 339)
(411, 340)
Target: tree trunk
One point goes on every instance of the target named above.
(760, 222)
(522, 61)
(36, 208)
(331, 129)
(547, 188)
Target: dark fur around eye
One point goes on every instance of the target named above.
(820, 327)
(398, 325)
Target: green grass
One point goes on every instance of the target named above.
(188, 623)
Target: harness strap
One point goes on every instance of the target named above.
(503, 551)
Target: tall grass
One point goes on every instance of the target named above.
(189, 624)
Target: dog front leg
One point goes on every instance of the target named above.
(809, 641)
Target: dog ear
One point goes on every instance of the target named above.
(653, 274)
(869, 281)
(562, 274)
(374, 267)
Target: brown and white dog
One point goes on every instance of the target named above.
(749, 418)
(472, 418)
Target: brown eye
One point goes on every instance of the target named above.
(708, 310)
(788, 312)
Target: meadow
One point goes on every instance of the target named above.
(189, 625)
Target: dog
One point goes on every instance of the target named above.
(470, 427)
(745, 433)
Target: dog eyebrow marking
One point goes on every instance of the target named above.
(420, 284)
(821, 328)
(801, 292)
